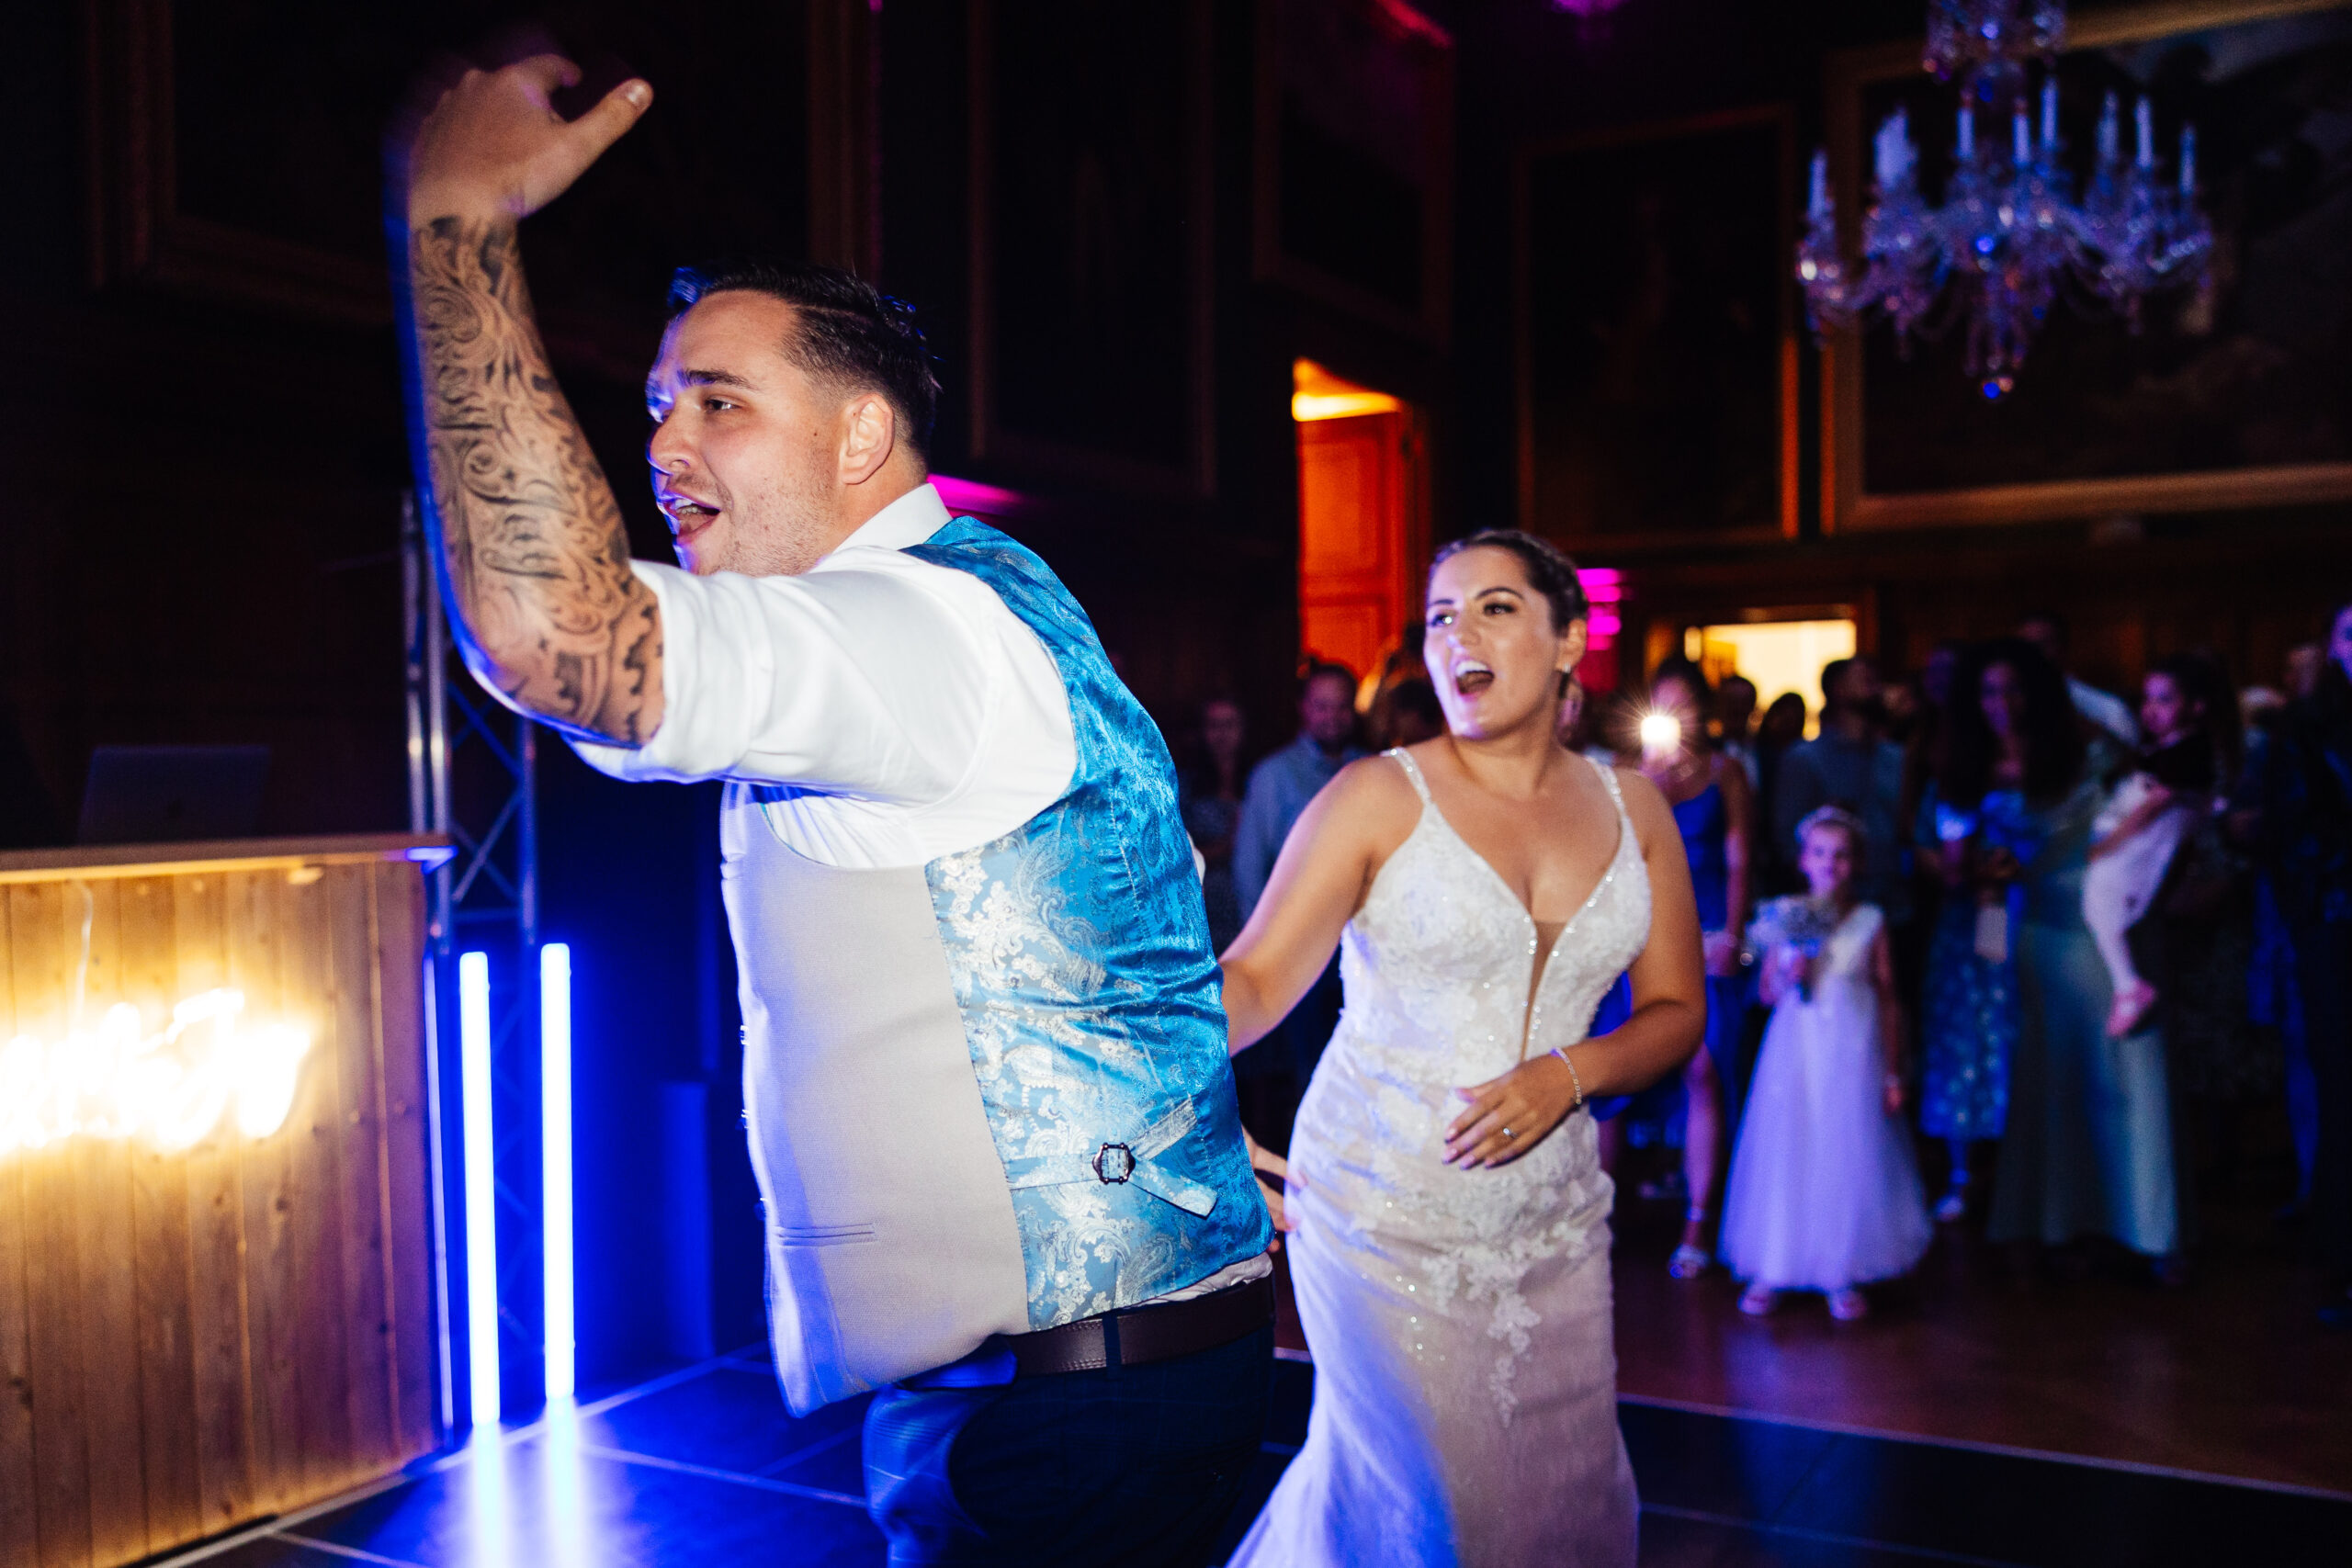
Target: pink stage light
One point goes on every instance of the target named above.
(1604, 586)
(971, 495)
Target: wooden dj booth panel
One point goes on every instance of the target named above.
(207, 1318)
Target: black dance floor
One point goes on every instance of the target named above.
(704, 1466)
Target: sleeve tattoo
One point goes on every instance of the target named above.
(538, 560)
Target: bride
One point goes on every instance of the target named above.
(1447, 1209)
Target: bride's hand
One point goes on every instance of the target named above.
(1508, 1115)
(1265, 1163)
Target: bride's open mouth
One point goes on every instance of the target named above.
(1471, 677)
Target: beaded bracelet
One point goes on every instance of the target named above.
(1561, 1052)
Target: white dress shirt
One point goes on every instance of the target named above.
(907, 711)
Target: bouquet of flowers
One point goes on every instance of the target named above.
(1802, 926)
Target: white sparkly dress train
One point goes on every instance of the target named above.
(1465, 1371)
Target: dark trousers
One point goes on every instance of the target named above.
(2324, 966)
(1133, 1466)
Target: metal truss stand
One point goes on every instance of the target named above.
(472, 769)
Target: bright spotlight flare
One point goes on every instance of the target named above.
(1661, 736)
(171, 1088)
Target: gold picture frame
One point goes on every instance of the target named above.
(1419, 51)
(1771, 124)
(999, 435)
(1847, 505)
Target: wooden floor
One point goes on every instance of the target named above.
(1723, 1418)
(706, 1466)
(2229, 1374)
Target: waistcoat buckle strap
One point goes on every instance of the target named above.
(1116, 1163)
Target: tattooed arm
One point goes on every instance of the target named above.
(549, 612)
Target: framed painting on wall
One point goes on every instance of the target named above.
(1356, 158)
(1090, 259)
(2230, 395)
(1657, 333)
(235, 152)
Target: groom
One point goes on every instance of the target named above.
(984, 1067)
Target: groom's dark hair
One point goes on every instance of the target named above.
(850, 333)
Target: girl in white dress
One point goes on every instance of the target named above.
(1824, 1193)
(1446, 1211)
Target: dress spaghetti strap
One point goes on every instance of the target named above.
(1609, 781)
(1404, 760)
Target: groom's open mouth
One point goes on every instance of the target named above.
(688, 517)
(1471, 677)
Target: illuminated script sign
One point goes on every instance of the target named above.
(170, 1088)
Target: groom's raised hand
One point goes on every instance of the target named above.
(550, 615)
(493, 146)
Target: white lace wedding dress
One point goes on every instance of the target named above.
(1465, 1371)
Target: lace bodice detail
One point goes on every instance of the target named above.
(1437, 965)
(1438, 962)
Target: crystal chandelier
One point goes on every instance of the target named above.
(2011, 234)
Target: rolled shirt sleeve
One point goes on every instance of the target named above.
(870, 679)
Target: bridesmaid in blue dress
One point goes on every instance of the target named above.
(1714, 809)
(1968, 1014)
(2089, 1146)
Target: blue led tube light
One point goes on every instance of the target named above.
(481, 1190)
(555, 1154)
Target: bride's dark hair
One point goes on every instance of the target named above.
(1549, 572)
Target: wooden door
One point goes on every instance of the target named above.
(1357, 480)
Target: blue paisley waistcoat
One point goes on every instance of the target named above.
(989, 1094)
(1079, 949)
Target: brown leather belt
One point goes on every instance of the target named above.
(1138, 1335)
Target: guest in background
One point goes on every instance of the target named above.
(2306, 795)
(2089, 1151)
(2260, 707)
(2305, 662)
(1973, 837)
(2197, 943)
(1414, 714)
(1279, 787)
(1211, 788)
(1584, 725)
(1715, 812)
(1922, 758)
(2103, 711)
(1284, 781)
(1782, 726)
(1402, 668)
(1852, 763)
(1736, 721)
(1923, 750)
(1825, 1193)
(2154, 804)
(2274, 1001)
